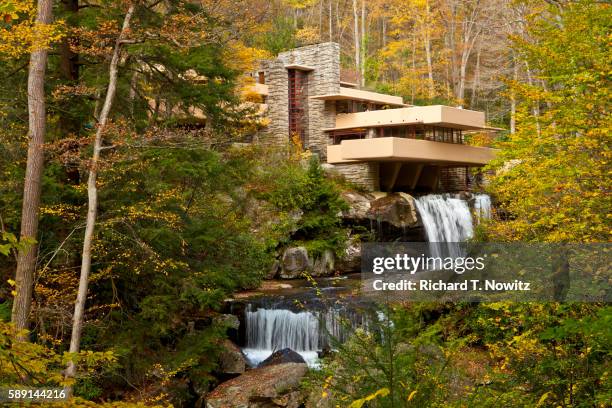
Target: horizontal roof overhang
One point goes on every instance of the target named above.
(439, 115)
(408, 150)
(361, 95)
(299, 67)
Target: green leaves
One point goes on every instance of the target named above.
(9, 242)
(313, 201)
(553, 173)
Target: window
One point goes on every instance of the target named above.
(340, 135)
(261, 77)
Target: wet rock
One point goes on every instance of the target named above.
(231, 359)
(324, 264)
(465, 195)
(294, 261)
(270, 386)
(293, 399)
(282, 357)
(397, 210)
(351, 261)
(273, 271)
(228, 320)
(359, 205)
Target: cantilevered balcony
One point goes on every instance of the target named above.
(424, 134)
(439, 115)
(397, 149)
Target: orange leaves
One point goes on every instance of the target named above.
(98, 42)
(21, 34)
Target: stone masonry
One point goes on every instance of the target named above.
(324, 78)
(321, 62)
(364, 175)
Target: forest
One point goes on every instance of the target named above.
(135, 199)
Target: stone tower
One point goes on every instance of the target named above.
(292, 77)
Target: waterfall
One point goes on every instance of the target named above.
(446, 219)
(275, 329)
(482, 206)
(306, 332)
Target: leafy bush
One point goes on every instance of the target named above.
(314, 199)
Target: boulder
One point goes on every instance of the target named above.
(351, 260)
(270, 386)
(359, 205)
(283, 356)
(231, 359)
(324, 264)
(294, 261)
(465, 195)
(273, 271)
(228, 320)
(398, 210)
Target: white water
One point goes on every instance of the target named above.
(269, 330)
(276, 329)
(445, 218)
(448, 219)
(482, 206)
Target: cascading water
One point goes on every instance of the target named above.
(482, 206)
(272, 326)
(447, 219)
(306, 333)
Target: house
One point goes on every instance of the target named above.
(374, 140)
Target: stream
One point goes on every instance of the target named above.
(309, 320)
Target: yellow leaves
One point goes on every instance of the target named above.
(65, 92)
(543, 399)
(242, 57)
(383, 392)
(411, 395)
(65, 211)
(23, 35)
(39, 363)
(307, 35)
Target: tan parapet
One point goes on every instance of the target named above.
(408, 150)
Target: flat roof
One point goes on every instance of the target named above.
(300, 67)
(349, 84)
(361, 95)
(441, 115)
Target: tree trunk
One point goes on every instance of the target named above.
(513, 100)
(356, 35)
(430, 82)
(331, 30)
(26, 259)
(536, 103)
(92, 205)
(427, 44)
(363, 43)
(476, 81)
(384, 31)
(414, 71)
(320, 20)
(462, 75)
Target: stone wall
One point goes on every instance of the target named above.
(323, 79)
(365, 175)
(454, 179)
(277, 132)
